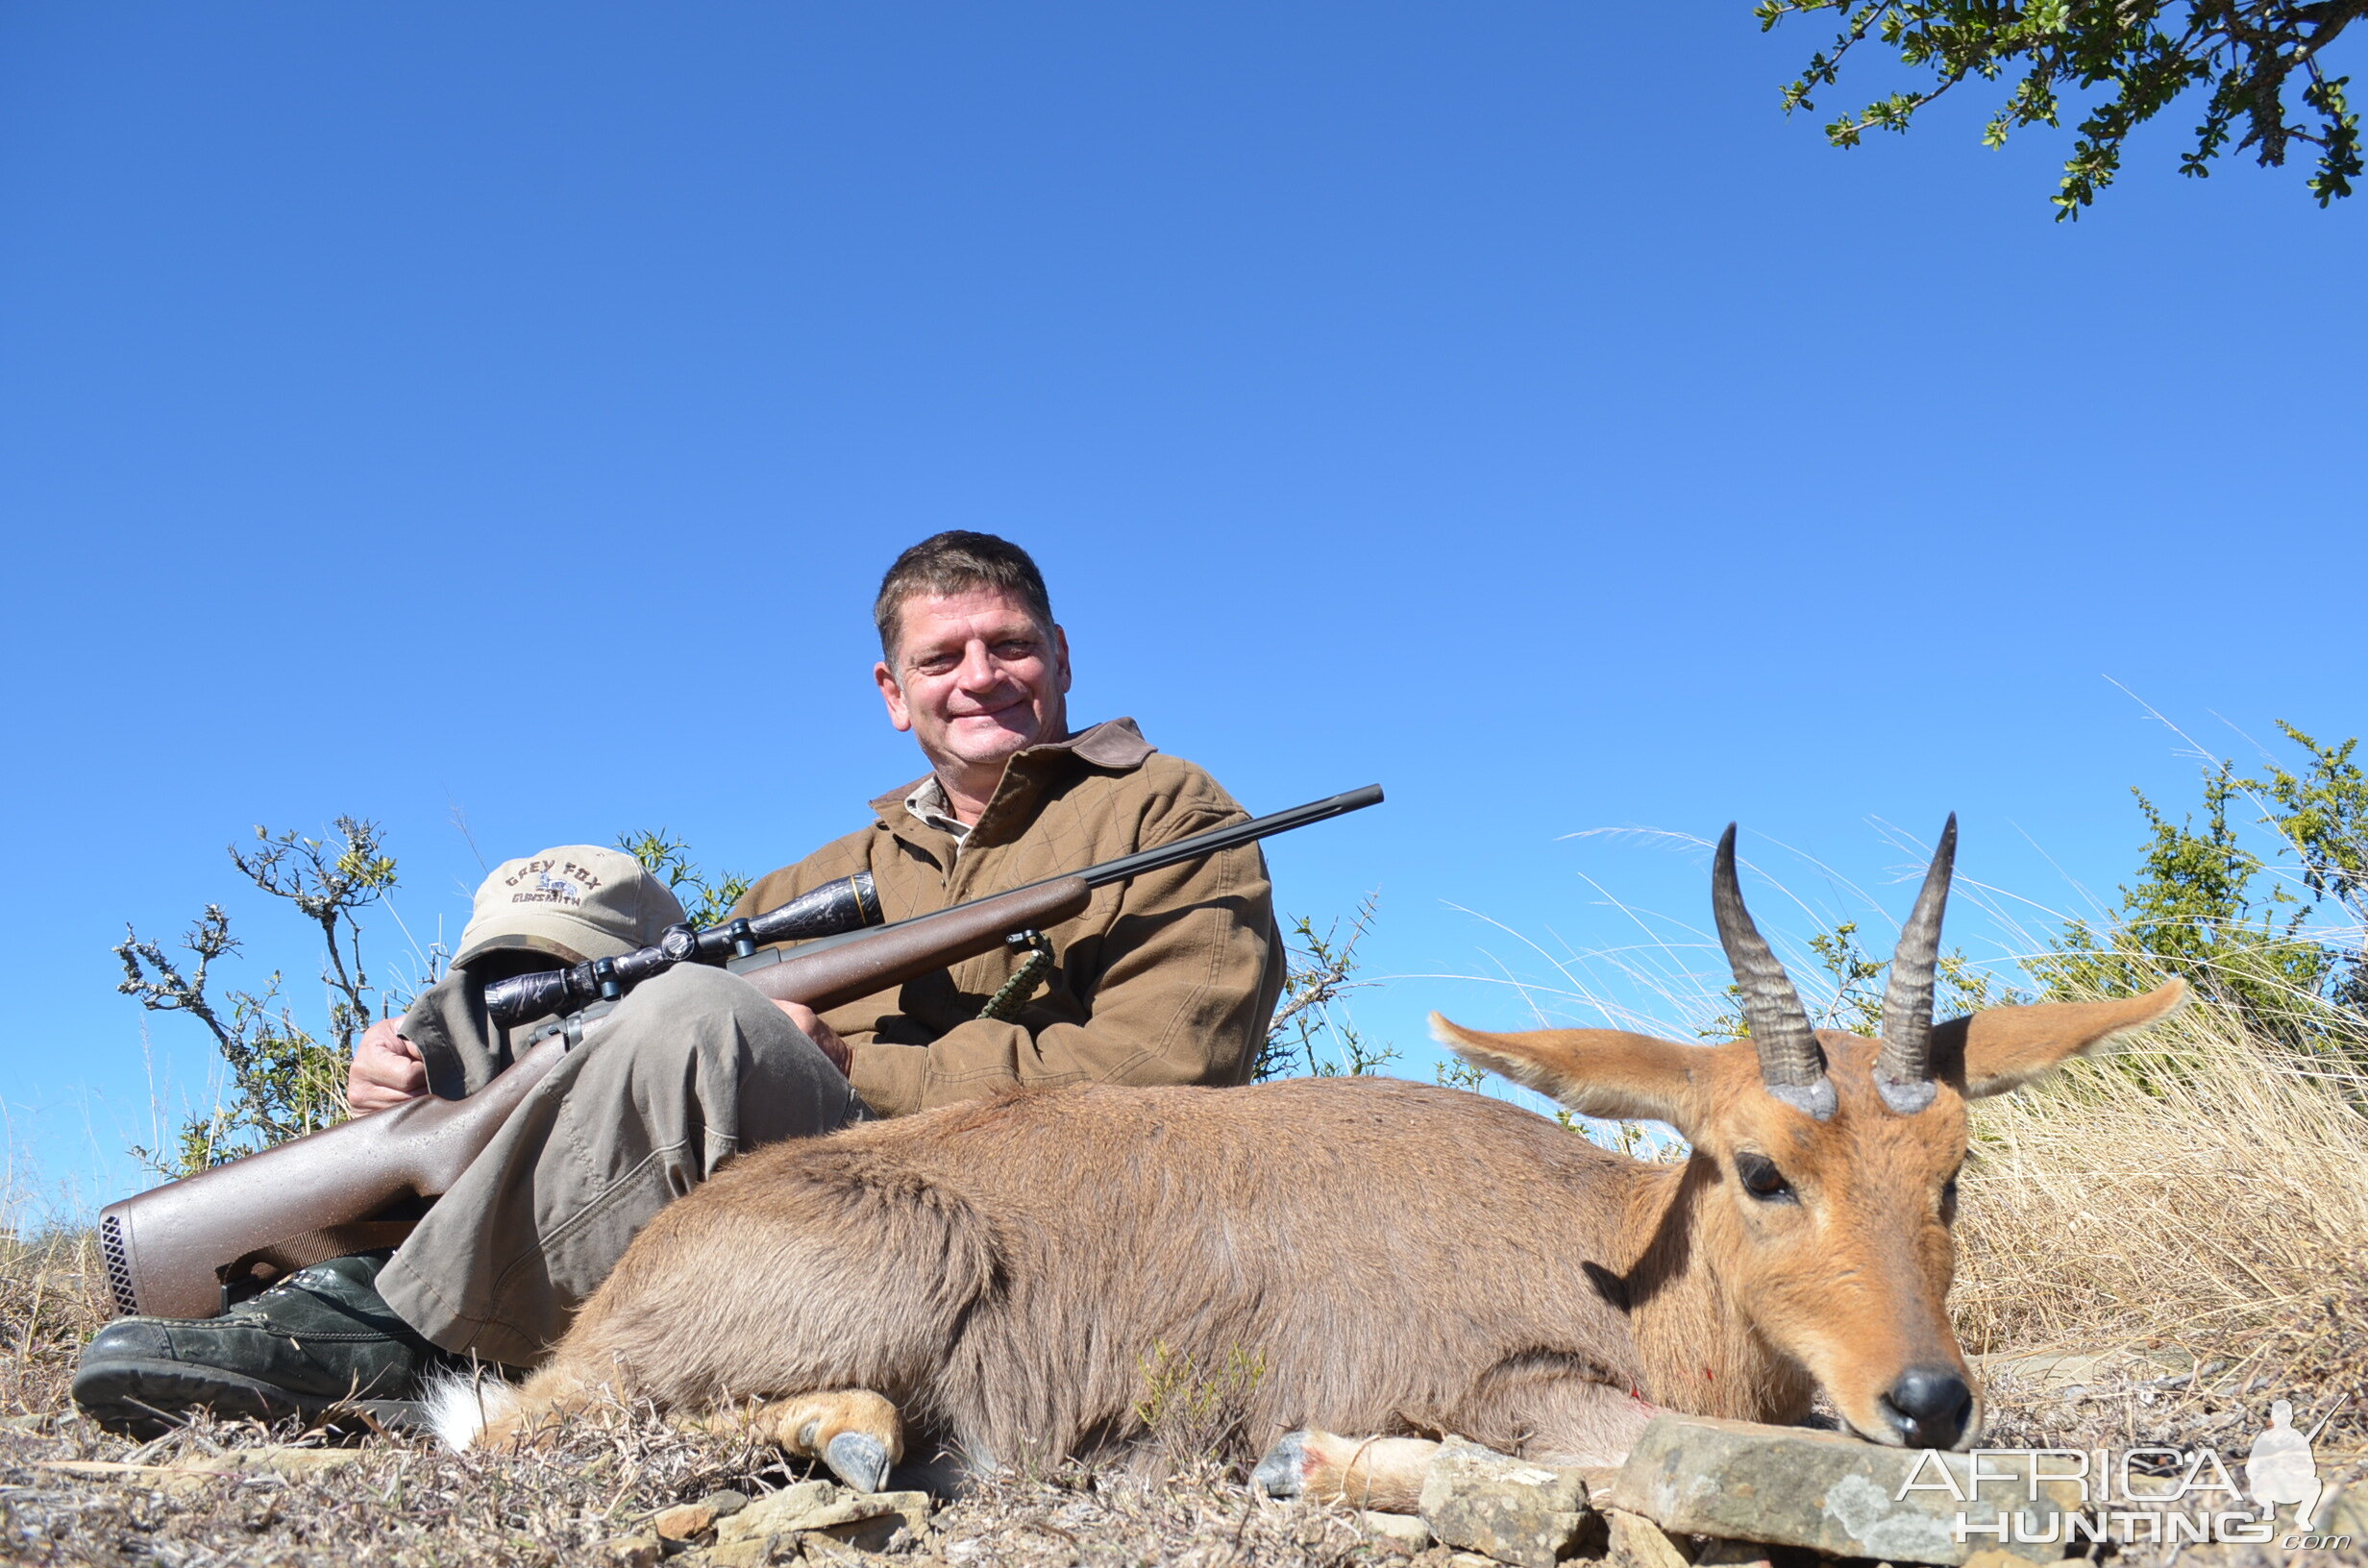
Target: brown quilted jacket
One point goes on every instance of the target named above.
(1168, 979)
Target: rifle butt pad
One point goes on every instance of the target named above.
(170, 1251)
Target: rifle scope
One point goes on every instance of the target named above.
(848, 904)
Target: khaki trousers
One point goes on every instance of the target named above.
(690, 1067)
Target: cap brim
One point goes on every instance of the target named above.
(525, 942)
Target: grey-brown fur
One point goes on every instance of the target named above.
(1403, 1259)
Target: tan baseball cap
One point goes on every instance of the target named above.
(576, 902)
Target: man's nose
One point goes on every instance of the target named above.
(979, 672)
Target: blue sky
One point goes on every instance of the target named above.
(509, 410)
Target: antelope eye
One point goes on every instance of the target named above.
(1762, 1179)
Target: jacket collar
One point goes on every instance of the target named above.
(1115, 745)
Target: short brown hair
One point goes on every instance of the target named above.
(958, 561)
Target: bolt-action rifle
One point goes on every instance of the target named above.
(189, 1249)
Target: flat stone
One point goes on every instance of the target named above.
(681, 1524)
(1510, 1510)
(1634, 1541)
(641, 1550)
(1402, 1532)
(753, 1552)
(1697, 1476)
(823, 1507)
(724, 1502)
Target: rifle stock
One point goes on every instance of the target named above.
(171, 1252)
(181, 1250)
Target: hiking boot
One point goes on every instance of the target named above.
(318, 1339)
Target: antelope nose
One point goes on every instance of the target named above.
(1929, 1406)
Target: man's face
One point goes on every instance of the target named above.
(975, 679)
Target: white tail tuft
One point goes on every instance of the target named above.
(461, 1405)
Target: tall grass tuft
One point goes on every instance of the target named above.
(2202, 1182)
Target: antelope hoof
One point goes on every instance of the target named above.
(859, 1460)
(1282, 1472)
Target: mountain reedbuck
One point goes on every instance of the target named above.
(1395, 1261)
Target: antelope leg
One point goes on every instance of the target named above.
(854, 1430)
(1379, 1473)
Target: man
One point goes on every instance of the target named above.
(1168, 979)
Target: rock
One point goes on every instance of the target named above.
(682, 1523)
(1637, 1542)
(641, 1550)
(1402, 1532)
(1697, 1476)
(1991, 1557)
(1742, 1555)
(724, 1502)
(1470, 1559)
(2075, 1373)
(1512, 1511)
(754, 1553)
(857, 1518)
(884, 1531)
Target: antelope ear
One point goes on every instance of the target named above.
(1597, 1073)
(2006, 1047)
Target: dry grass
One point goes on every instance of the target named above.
(403, 1500)
(2197, 1203)
(2200, 1192)
(2189, 1217)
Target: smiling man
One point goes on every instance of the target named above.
(1167, 979)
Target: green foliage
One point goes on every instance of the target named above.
(661, 854)
(1321, 967)
(2209, 909)
(2203, 910)
(2322, 813)
(1194, 1413)
(2131, 59)
(284, 1081)
(1457, 1073)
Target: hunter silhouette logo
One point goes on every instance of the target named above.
(2150, 1494)
(2280, 1467)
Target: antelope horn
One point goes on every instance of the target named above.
(1904, 1070)
(1791, 1063)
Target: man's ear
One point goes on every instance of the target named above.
(2006, 1047)
(1597, 1073)
(893, 694)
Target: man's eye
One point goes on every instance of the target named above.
(1014, 650)
(1762, 1179)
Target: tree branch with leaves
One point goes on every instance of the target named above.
(284, 1081)
(2131, 59)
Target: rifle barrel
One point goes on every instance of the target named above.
(1108, 872)
(1218, 839)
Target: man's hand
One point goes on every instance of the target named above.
(817, 1031)
(386, 1070)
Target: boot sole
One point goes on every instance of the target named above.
(147, 1399)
